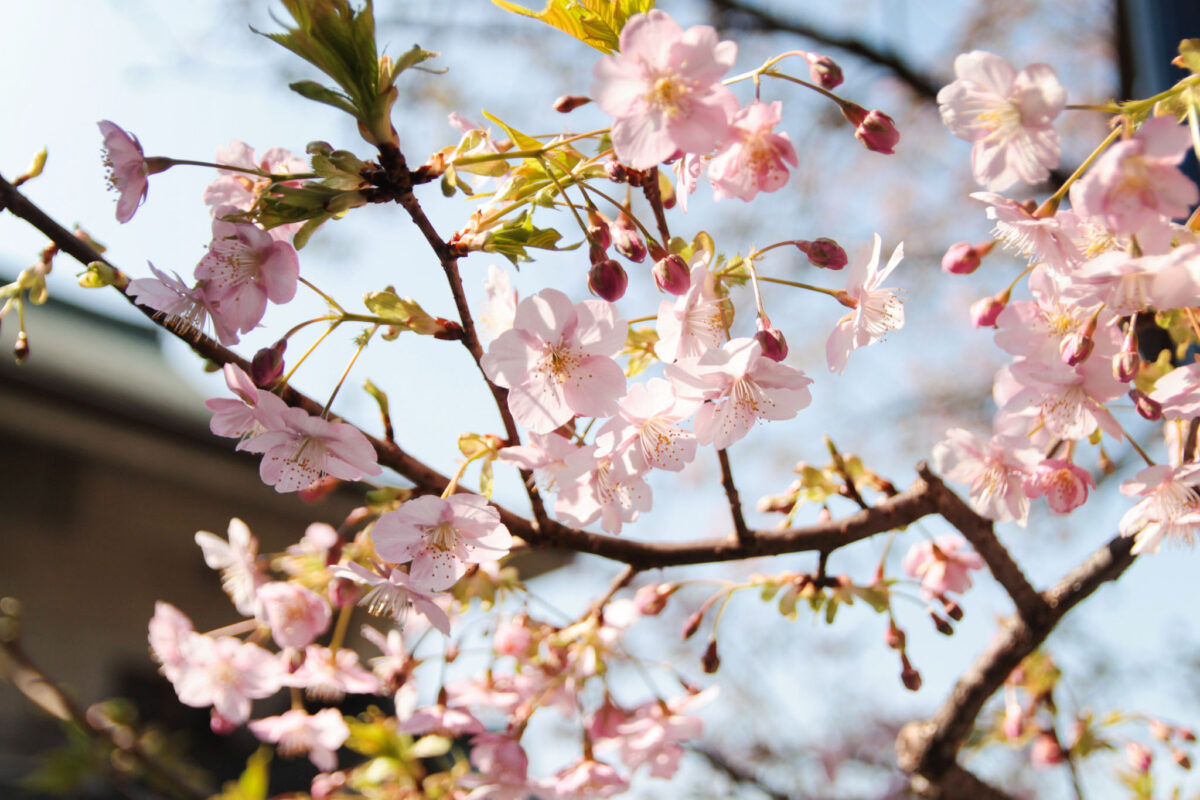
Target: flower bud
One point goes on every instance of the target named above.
(651, 600)
(711, 661)
(964, 258)
(953, 610)
(607, 280)
(267, 365)
(1146, 405)
(1139, 757)
(985, 311)
(942, 625)
(771, 340)
(1127, 361)
(615, 171)
(692, 624)
(1014, 721)
(343, 592)
(1159, 730)
(221, 726)
(908, 675)
(1181, 758)
(824, 253)
(874, 129)
(823, 71)
(21, 348)
(671, 274)
(1075, 348)
(1186, 734)
(627, 240)
(893, 637)
(597, 230)
(1046, 751)
(569, 102)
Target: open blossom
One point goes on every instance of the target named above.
(503, 768)
(170, 631)
(876, 310)
(1127, 285)
(306, 448)
(664, 89)
(652, 733)
(741, 386)
(393, 594)
(940, 566)
(190, 306)
(648, 427)
(501, 308)
(295, 732)
(330, 675)
(227, 674)
(244, 268)
(1051, 240)
(586, 779)
(127, 168)
(557, 360)
(237, 560)
(439, 719)
(254, 410)
(544, 453)
(755, 159)
(295, 614)
(1007, 115)
(441, 537)
(1169, 508)
(242, 190)
(1178, 392)
(1137, 182)
(695, 322)
(599, 483)
(1064, 484)
(995, 470)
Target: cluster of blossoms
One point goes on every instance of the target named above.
(1099, 273)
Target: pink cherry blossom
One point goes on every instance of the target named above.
(393, 665)
(939, 565)
(127, 168)
(1127, 285)
(512, 638)
(253, 412)
(1051, 240)
(652, 733)
(599, 483)
(1169, 508)
(695, 322)
(170, 630)
(754, 159)
(441, 537)
(1068, 400)
(295, 732)
(648, 426)
(664, 89)
(586, 779)
(296, 615)
(237, 560)
(557, 360)
(439, 719)
(1064, 484)
(306, 448)
(741, 386)
(241, 190)
(876, 310)
(545, 454)
(1137, 182)
(995, 470)
(1036, 329)
(503, 768)
(189, 306)
(501, 308)
(328, 676)
(244, 268)
(393, 595)
(1178, 392)
(227, 674)
(1007, 115)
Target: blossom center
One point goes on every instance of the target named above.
(442, 536)
(668, 93)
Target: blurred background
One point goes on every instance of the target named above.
(108, 469)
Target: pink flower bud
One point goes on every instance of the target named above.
(1181, 758)
(964, 258)
(824, 253)
(1064, 484)
(512, 638)
(985, 311)
(221, 726)
(651, 600)
(893, 637)
(627, 240)
(874, 129)
(343, 592)
(597, 230)
(1147, 406)
(692, 624)
(1139, 757)
(671, 274)
(569, 102)
(1186, 734)
(1127, 362)
(267, 365)
(1046, 751)
(615, 171)
(823, 71)
(1075, 348)
(771, 340)
(1159, 730)
(607, 280)
(711, 661)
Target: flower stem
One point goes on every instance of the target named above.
(1051, 204)
(799, 285)
(187, 162)
(361, 346)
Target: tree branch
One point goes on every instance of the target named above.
(744, 535)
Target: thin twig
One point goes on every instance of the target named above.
(620, 582)
(744, 535)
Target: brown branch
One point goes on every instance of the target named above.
(744, 534)
(620, 582)
(980, 533)
(927, 750)
(653, 195)
(736, 773)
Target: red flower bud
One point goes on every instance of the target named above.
(824, 253)
(1075, 348)
(615, 171)
(908, 675)
(771, 340)
(1146, 405)
(942, 625)
(626, 239)
(874, 129)
(893, 637)
(569, 102)
(607, 280)
(985, 311)
(711, 661)
(671, 274)
(823, 70)
(267, 365)
(1127, 362)
(597, 230)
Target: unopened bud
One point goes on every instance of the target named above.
(985, 311)
(21, 348)
(711, 661)
(448, 330)
(875, 129)
(607, 280)
(343, 592)
(569, 102)
(626, 239)
(1146, 405)
(823, 71)
(1181, 758)
(692, 624)
(1159, 730)
(98, 274)
(1139, 757)
(615, 171)
(893, 637)
(953, 610)
(824, 253)
(597, 230)
(1186, 734)
(1075, 348)
(1046, 751)
(942, 625)
(964, 258)
(651, 600)
(771, 340)
(909, 675)
(267, 365)
(220, 725)
(1127, 361)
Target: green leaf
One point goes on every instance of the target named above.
(597, 23)
(252, 785)
(323, 94)
(401, 311)
(380, 396)
(831, 609)
(1189, 55)
(410, 59)
(521, 140)
(307, 230)
(485, 478)
(511, 239)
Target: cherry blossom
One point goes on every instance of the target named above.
(244, 268)
(755, 159)
(1064, 484)
(242, 190)
(295, 732)
(599, 483)
(995, 469)
(1169, 508)
(439, 719)
(253, 412)
(648, 425)
(1128, 284)
(1178, 392)
(190, 306)
(664, 90)
(441, 537)
(227, 674)
(651, 734)
(1051, 240)
(127, 168)
(503, 767)
(695, 322)
(237, 560)
(545, 454)
(296, 615)
(940, 566)
(392, 595)
(586, 779)
(306, 448)
(557, 360)
(393, 665)
(1007, 115)
(1137, 182)
(501, 307)
(741, 386)
(876, 310)
(328, 676)
(170, 630)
